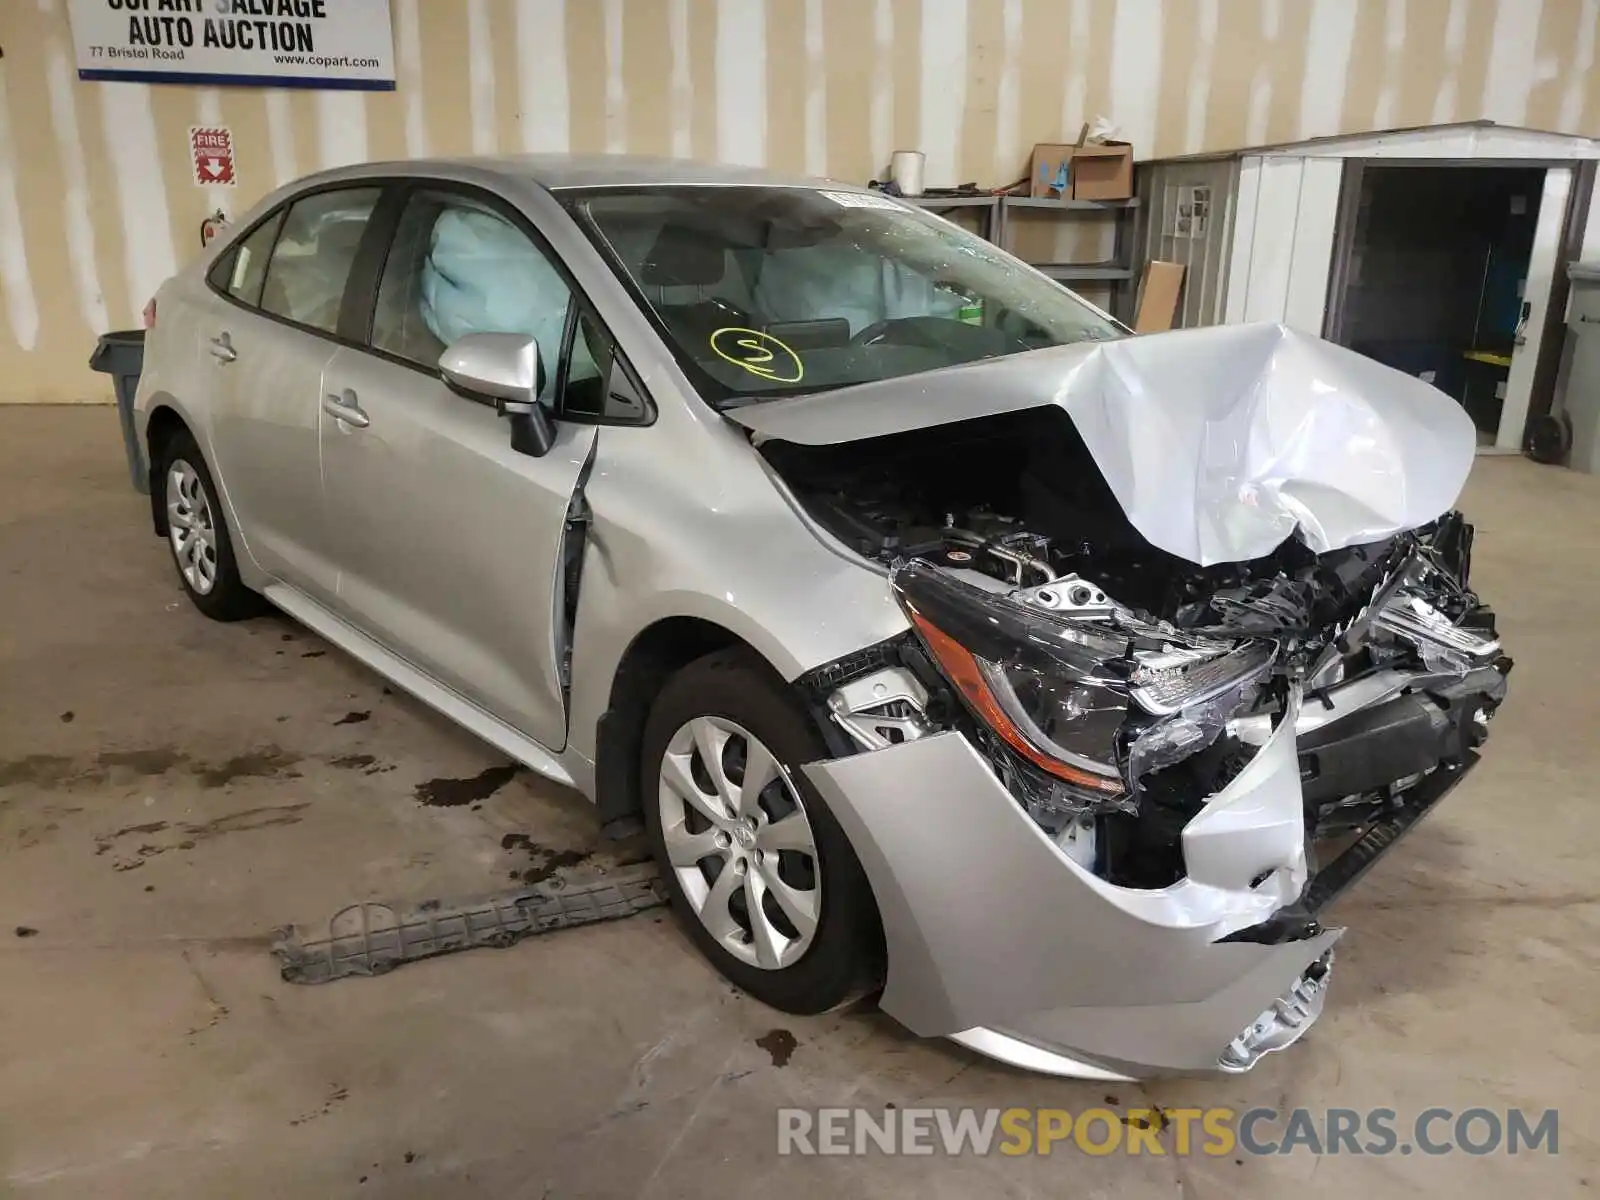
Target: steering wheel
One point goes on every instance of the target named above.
(736, 315)
(872, 334)
(936, 333)
(903, 331)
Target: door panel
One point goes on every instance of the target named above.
(448, 540)
(265, 416)
(1543, 266)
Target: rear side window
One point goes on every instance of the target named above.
(241, 271)
(315, 250)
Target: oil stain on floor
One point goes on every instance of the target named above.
(453, 793)
(543, 862)
(779, 1043)
(57, 771)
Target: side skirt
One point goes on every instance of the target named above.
(424, 687)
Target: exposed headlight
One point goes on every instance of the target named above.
(1442, 644)
(1057, 690)
(1177, 678)
(1073, 722)
(1049, 688)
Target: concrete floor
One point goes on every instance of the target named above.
(172, 789)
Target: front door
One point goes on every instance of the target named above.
(449, 542)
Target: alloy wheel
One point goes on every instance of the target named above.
(191, 527)
(739, 842)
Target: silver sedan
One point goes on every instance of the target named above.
(945, 639)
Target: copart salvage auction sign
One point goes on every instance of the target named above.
(286, 43)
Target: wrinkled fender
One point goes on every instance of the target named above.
(716, 542)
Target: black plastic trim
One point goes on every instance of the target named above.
(1299, 921)
(1339, 875)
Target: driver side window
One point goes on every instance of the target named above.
(457, 267)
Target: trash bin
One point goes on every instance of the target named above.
(120, 354)
(1571, 431)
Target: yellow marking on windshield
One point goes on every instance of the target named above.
(757, 352)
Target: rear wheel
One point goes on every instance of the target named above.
(197, 534)
(758, 870)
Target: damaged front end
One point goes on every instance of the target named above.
(1215, 774)
(1189, 648)
(1114, 727)
(1217, 752)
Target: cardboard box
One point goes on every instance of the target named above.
(1102, 171)
(1094, 171)
(1158, 298)
(1044, 169)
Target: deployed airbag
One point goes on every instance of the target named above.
(483, 275)
(1218, 443)
(842, 282)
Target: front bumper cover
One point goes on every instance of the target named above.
(998, 939)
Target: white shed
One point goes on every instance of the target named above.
(1440, 250)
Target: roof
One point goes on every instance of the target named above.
(1539, 142)
(561, 171)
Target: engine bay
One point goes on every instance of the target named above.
(1009, 515)
(1018, 499)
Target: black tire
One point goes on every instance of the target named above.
(228, 599)
(845, 956)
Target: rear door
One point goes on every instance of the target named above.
(267, 340)
(452, 545)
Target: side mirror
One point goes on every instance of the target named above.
(504, 370)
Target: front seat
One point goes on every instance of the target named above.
(683, 256)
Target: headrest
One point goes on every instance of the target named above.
(684, 256)
(341, 237)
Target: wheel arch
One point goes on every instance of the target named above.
(654, 655)
(164, 421)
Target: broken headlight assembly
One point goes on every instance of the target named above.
(1082, 707)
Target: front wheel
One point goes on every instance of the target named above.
(758, 870)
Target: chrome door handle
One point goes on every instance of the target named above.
(343, 407)
(222, 348)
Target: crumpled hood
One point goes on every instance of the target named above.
(1218, 443)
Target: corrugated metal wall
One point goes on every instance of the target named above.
(1174, 232)
(97, 204)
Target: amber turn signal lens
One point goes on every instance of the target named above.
(962, 670)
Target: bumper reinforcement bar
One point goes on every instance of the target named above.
(1335, 878)
(1298, 921)
(373, 939)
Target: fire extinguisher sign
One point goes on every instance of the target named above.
(211, 148)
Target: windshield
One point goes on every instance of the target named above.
(764, 292)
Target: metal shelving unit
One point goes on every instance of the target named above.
(990, 213)
(1120, 271)
(1108, 272)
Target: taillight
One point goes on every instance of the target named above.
(150, 314)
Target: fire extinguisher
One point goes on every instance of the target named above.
(212, 225)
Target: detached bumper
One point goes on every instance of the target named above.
(996, 938)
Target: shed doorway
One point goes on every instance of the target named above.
(1431, 273)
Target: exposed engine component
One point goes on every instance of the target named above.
(1114, 687)
(1279, 1025)
(882, 709)
(1017, 500)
